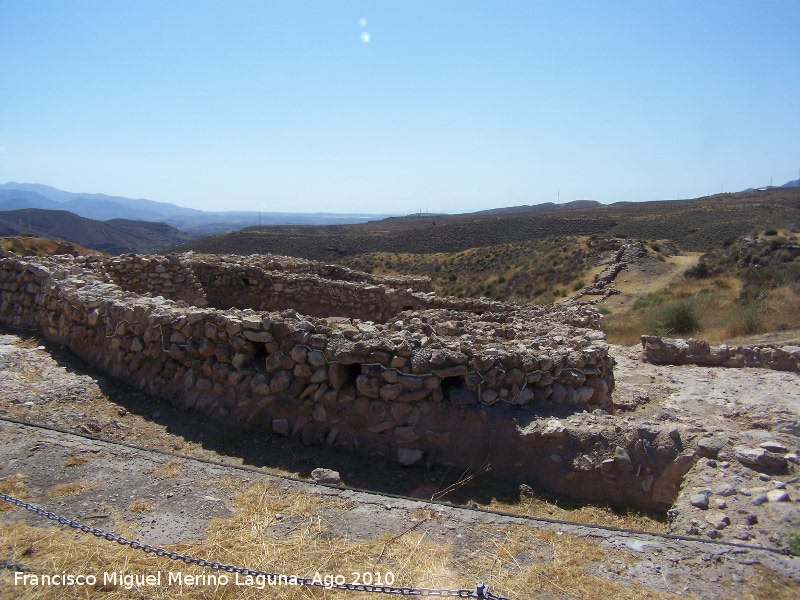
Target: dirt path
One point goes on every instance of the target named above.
(648, 275)
(171, 500)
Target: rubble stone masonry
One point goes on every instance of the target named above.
(346, 359)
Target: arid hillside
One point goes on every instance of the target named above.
(693, 225)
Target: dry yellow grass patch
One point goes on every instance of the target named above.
(589, 514)
(74, 461)
(515, 560)
(558, 567)
(13, 485)
(138, 506)
(422, 514)
(226, 481)
(767, 585)
(169, 470)
(71, 488)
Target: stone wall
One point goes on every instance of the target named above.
(437, 384)
(167, 276)
(783, 357)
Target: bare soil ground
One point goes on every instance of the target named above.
(298, 527)
(649, 275)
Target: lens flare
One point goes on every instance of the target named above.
(362, 21)
(365, 37)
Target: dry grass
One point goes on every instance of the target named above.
(518, 561)
(537, 271)
(74, 461)
(169, 470)
(590, 514)
(766, 585)
(716, 303)
(139, 506)
(40, 246)
(559, 570)
(13, 485)
(225, 481)
(71, 488)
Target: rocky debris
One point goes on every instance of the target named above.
(759, 457)
(718, 520)
(784, 357)
(709, 447)
(778, 496)
(328, 476)
(700, 499)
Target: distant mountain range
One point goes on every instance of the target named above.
(114, 236)
(197, 223)
(794, 183)
(543, 207)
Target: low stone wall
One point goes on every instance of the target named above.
(167, 276)
(434, 385)
(681, 352)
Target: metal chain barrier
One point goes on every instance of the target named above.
(6, 564)
(480, 591)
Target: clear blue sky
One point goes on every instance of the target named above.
(450, 105)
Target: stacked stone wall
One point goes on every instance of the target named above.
(783, 357)
(434, 385)
(168, 276)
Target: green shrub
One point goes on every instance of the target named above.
(752, 293)
(722, 284)
(698, 271)
(604, 310)
(771, 232)
(651, 299)
(747, 321)
(793, 541)
(677, 317)
(546, 298)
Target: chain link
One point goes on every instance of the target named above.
(6, 564)
(480, 591)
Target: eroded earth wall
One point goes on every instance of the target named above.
(453, 381)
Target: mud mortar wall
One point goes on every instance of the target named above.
(429, 386)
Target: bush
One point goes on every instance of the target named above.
(651, 299)
(698, 271)
(793, 541)
(676, 317)
(752, 293)
(771, 232)
(748, 321)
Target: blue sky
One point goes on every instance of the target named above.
(450, 106)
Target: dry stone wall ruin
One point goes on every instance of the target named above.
(780, 357)
(346, 359)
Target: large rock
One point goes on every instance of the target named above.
(328, 476)
(759, 457)
(408, 457)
